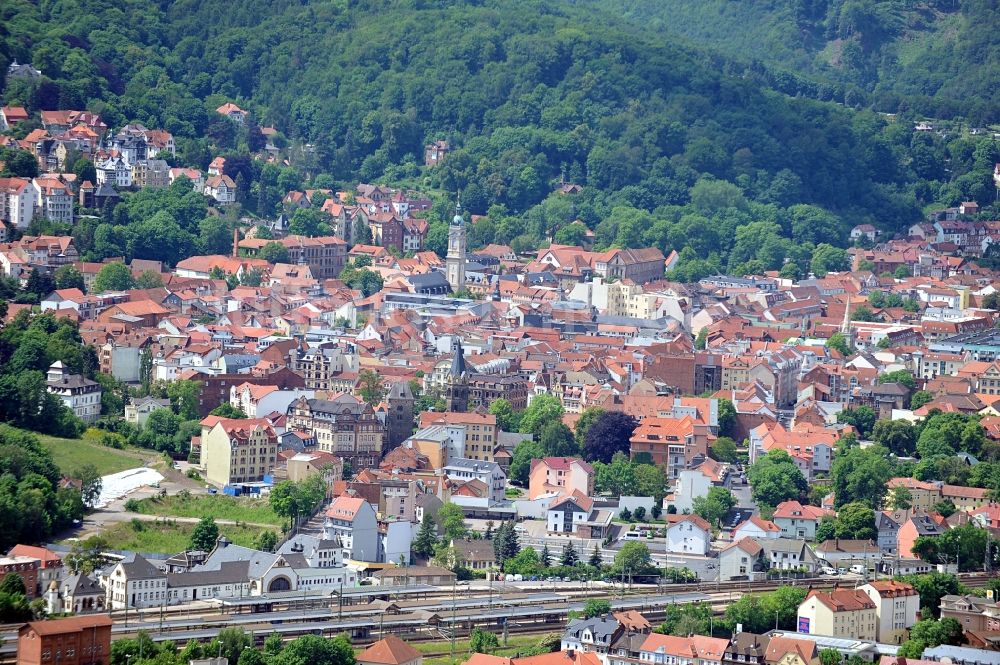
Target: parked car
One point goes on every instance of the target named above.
(827, 570)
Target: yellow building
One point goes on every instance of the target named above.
(846, 613)
(481, 432)
(236, 450)
(923, 495)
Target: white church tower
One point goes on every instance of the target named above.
(456, 250)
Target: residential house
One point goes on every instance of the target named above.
(560, 475)
(138, 410)
(80, 395)
(435, 152)
(843, 553)
(660, 649)
(221, 188)
(746, 649)
(688, 534)
(756, 527)
(353, 521)
(844, 613)
(82, 594)
(789, 554)
(566, 513)
(233, 112)
(594, 635)
(923, 494)
(798, 521)
(918, 524)
(115, 171)
(976, 614)
(783, 650)
(743, 559)
(151, 173)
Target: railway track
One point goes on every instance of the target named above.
(539, 612)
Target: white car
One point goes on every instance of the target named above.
(827, 570)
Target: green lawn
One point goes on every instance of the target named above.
(167, 537)
(516, 645)
(71, 454)
(216, 506)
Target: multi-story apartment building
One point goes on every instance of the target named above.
(846, 613)
(484, 389)
(237, 450)
(54, 200)
(671, 443)
(896, 607)
(151, 173)
(344, 426)
(324, 367)
(17, 202)
(325, 255)
(561, 475)
(481, 431)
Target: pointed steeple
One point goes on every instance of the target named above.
(845, 326)
(458, 367)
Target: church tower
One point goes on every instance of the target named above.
(399, 419)
(457, 383)
(455, 262)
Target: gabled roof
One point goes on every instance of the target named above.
(389, 651)
(585, 503)
(843, 600)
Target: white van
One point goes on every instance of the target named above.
(858, 568)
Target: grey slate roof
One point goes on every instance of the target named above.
(138, 568)
(259, 562)
(602, 628)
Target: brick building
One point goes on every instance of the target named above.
(83, 640)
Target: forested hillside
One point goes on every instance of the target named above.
(939, 58)
(677, 148)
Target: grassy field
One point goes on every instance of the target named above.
(168, 537)
(216, 506)
(516, 644)
(71, 454)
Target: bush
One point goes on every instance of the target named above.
(133, 506)
(137, 524)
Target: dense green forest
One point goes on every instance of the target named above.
(677, 147)
(939, 58)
